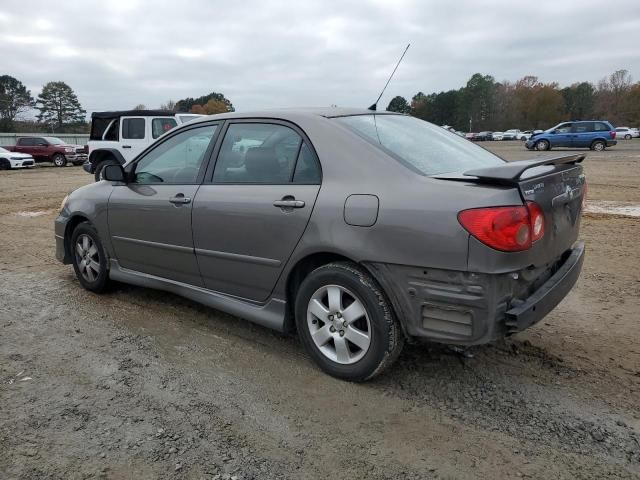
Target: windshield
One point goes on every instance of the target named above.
(423, 147)
(3, 150)
(55, 141)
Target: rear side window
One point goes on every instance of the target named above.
(26, 142)
(307, 167)
(583, 127)
(133, 128)
(421, 146)
(160, 126)
(601, 127)
(259, 153)
(112, 132)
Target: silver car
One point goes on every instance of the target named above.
(359, 230)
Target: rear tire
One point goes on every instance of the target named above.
(346, 323)
(89, 258)
(598, 146)
(543, 145)
(59, 160)
(100, 167)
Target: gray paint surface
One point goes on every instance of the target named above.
(232, 242)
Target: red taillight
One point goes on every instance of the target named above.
(612, 133)
(509, 229)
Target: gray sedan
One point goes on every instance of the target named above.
(359, 230)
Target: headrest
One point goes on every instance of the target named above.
(261, 162)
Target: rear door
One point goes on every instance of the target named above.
(561, 136)
(150, 217)
(134, 136)
(251, 214)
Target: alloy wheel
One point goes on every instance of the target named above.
(339, 324)
(87, 258)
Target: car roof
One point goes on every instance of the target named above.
(295, 113)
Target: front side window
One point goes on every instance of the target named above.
(133, 128)
(54, 141)
(177, 160)
(563, 128)
(160, 126)
(257, 153)
(421, 146)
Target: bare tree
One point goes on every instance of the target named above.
(170, 106)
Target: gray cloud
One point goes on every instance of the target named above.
(119, 53)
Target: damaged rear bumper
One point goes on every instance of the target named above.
(467, 308)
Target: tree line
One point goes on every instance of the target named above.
(528, 103)
(60, 111)
(58, 106)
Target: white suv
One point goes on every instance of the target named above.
(118, 137)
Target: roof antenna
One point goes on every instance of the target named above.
(374, 107)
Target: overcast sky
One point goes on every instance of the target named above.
(118, 53)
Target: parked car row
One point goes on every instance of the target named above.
(593, 134)
(512, 134)
(46, 149)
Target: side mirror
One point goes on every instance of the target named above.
(113, 173)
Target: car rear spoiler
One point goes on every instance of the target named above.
(510, 172)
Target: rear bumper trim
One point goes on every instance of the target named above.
(549, 295)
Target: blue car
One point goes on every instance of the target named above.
(593, 134)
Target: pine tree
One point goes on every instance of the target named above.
(59, 105)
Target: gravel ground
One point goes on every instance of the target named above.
(142, 384)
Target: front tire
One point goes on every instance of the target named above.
(89, 258)
(346, 323)
(627, 137)
(5, 164)
(59, 160)
(543, 145)
(100, 167)
(598, 146)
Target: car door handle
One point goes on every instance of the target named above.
(126, 146)
(180, 199)
(289, 203)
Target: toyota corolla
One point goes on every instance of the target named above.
(359, 230)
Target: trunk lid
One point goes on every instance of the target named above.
(557, 186)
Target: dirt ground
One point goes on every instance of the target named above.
(141, 384)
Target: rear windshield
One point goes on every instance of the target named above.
(421, 146)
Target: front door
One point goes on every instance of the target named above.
(150, 217)
(562, 136)
(249, 218)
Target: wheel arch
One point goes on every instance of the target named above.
(598, 139)
(100, 154)
(309, 263)
(73, 222)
